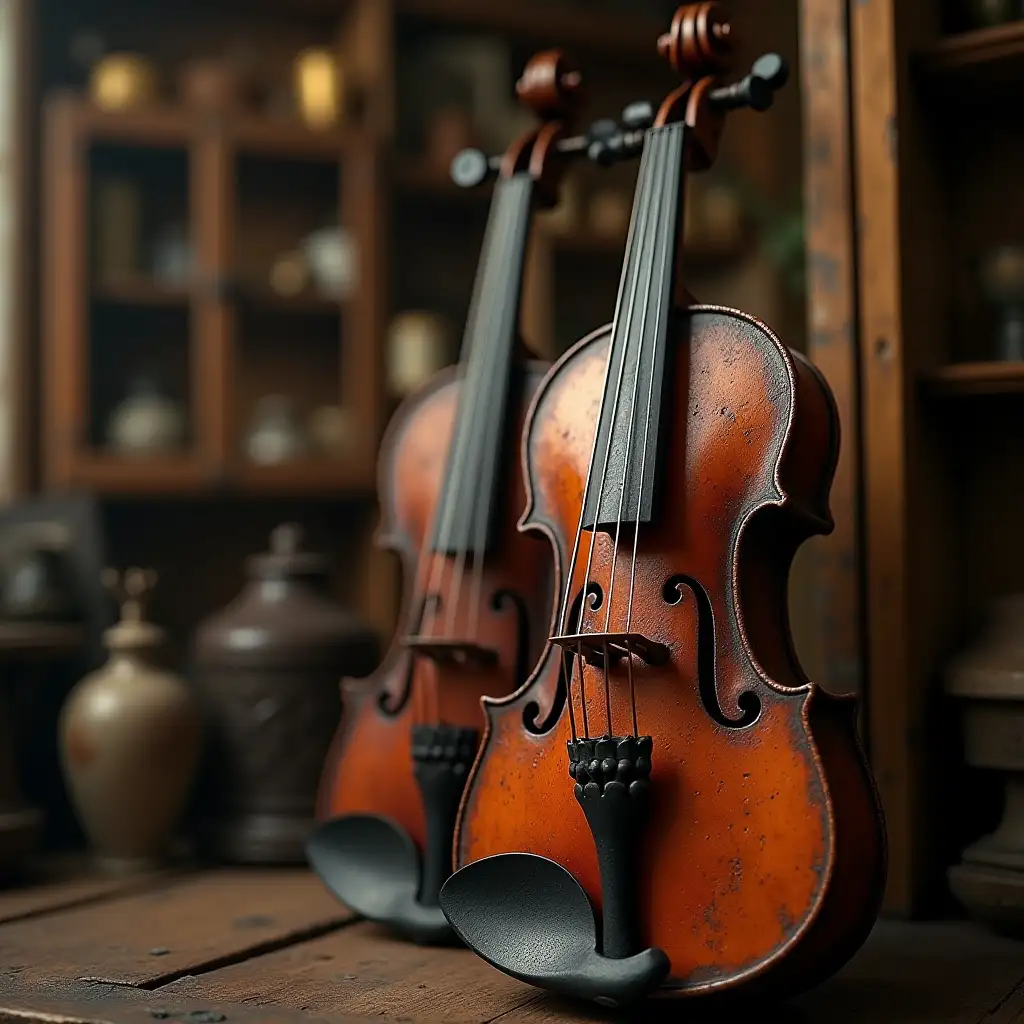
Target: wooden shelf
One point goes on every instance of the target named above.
(551, 24)
(306, 477)
(975, 62)
(39, 639)
(156, 125)
(286, 138)
(140, 291)
(991, 378)
(108, 473)
(177, 124)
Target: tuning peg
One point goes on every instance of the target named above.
(771, 68)
(638, 116)
(606, 128)
(757, 91)
(470, 168)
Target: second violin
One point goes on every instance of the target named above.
(478, 594)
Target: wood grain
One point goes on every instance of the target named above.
(832, 334)
(60, 887)
(883, 433)
(175, 929)
(905, 974)
(88, 1003)
(361, 970)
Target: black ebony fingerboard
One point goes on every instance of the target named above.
(624, 472)
(472, 495)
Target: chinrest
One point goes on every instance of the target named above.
(372, 866)
(528, 916)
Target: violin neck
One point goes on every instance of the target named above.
(472, 494)
(623, 483)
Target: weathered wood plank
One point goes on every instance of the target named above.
(86, 1003)
(66, 884)
(906, 974)
(832, 329)
(363, 971)
(183, 926)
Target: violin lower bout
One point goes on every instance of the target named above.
(761, 861)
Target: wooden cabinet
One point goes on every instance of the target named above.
(239, 191)
(913, 165)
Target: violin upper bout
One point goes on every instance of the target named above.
(812, 451)
(558, 435)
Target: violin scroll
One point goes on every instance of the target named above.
(551, 86)
(699, 42)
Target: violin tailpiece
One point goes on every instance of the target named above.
(613, 783)
(442, 756)
(530, 918)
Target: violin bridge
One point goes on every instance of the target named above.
(594, 647)
(453, 653)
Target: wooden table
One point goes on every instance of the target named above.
(248, 946)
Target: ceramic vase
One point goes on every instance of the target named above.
(988, 683)
(130, 737)
(146, 422)
(269, 667)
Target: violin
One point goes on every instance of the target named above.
(669, 804)
(478, 593)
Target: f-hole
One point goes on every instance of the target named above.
(390, 702)
(707, 671)
(594, 596)
(502, 600)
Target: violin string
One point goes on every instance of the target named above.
(568, 689)
(469, 371)
(583, 692)
(471, 394)
(506, 316)
(630, 307)
(627, 462)
(607, 688)
(677, 140)
(563, 614)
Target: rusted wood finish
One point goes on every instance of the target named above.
(832, 341)
(174, 929)
(777, 864)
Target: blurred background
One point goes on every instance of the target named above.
(231, 246)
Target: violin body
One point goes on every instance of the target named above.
(762, 856)
(369, 766)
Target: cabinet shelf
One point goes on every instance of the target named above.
(140, 291)
(109, 473)
(308, 476)
(974, 63)
(987, 378)
(247, 188)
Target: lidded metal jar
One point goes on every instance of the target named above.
(269, 666)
